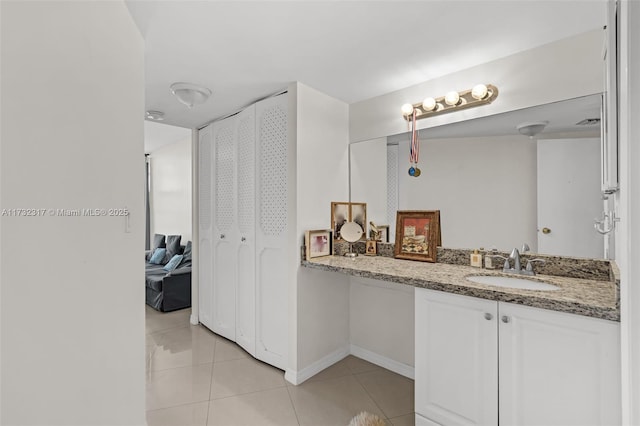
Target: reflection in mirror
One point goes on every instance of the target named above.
(495, 187)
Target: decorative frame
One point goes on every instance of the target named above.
(343, 212)
(417, 235)
(358, 214)
(318, 243)
(371, 248)
(384, 233)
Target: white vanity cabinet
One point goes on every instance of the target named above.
(243, 205)
(481, 362)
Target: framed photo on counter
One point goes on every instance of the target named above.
(318, 243)
(417, 235)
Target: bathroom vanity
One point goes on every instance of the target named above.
(498, 355)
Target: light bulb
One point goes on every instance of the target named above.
(452, 98)
(407, 109)
(429, 104)
(479, 91)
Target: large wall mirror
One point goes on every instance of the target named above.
(495, 187)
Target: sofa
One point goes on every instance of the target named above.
(168, 285)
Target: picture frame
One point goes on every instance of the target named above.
(384, 233)
(343, 212)
(339, 216)
(358, 214)
(371, 248)
(318, 243)
(417, 235)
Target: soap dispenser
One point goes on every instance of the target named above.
(476, 259)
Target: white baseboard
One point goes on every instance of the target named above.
(193, 319)
(384, 362)
(298, 377)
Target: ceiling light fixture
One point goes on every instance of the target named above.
(531, 128)
(154, 115)
(481, 94)
(190, 94)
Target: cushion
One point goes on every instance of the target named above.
(158, 241)
(158, 256)
(186, 259)
(173, 263)
(173, 247)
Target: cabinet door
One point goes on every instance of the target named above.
(205, 242)
(245, 265)
(273, 221)
(456, 359)
(225, 234)
(557, 368)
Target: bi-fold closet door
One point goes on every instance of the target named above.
(245, 166)
(233, 295)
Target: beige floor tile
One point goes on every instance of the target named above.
(241, 376)
(157, 321)
(358, 365)
(178, 386)
(406, 420)
(183, 415)
(181, 355)
(331, 401)
(227, 350)
(339, 369)
(265, 408)
(392, 392)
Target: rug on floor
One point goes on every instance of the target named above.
(366, 419)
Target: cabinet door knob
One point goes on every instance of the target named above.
(488, 316)
(222, 236)
(505, 319)
(546, 230)
(243, 239)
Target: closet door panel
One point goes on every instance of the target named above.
(271, 231)
(205, 255)
(225, 229)
(246, 217)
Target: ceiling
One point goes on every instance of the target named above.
(352, 50)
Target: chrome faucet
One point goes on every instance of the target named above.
(515, 255)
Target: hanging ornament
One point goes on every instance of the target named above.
(414, 149)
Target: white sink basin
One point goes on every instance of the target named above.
(512, 282)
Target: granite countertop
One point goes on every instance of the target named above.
(592, 298)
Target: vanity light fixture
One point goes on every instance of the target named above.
(190, 94)
(480, 94)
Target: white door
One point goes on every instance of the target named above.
(456, 362)
(557, 368)
(272, 222)
(245, 265)
(569, 197)
(225, 234)
(205, 249)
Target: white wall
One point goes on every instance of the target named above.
(72, 287)
(369, 178)
(557, 71)
(171, 190)
(321, 306)
(628, 232)
(382, 323)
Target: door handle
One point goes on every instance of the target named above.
(488, 316)
(546, 230)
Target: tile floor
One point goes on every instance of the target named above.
(195, 377)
